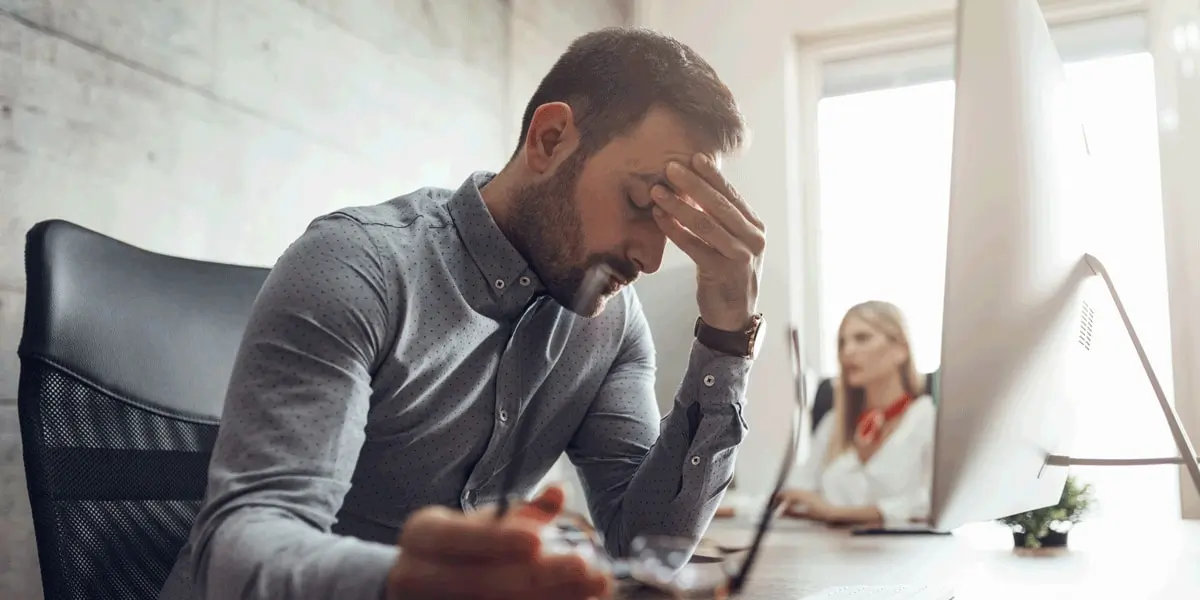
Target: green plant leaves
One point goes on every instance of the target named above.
(1072, 506)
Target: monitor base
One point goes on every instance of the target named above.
(1187, 452)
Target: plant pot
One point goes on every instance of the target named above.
(1054, 539)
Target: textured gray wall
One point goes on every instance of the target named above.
(217, 129)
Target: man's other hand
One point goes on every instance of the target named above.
(446, 554)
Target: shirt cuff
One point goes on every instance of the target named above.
(714, 379)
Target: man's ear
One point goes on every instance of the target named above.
(552, 136)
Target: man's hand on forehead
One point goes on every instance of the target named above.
(701, 212)
(716, 165)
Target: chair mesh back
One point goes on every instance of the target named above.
(116, 486)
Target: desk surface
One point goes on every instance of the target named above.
(1104, 561)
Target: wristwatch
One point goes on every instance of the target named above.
(735, 343)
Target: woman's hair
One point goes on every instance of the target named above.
(848, 402)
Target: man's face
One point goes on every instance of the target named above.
(587, 225)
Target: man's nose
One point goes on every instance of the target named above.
(647, 251)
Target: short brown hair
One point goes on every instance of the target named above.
(612, 77)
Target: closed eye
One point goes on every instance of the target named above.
(632, 199)
(648, 181)
(640, 212)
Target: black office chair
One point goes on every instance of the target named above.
(823, 399)
(125, 357)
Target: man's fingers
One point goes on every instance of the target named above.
(420, 578)
(570, 576)
(541, 510)
(546, 506)
(707, 169)
(715, 221)
(565, 577)
(443, 534)
(702, 225)
(714, 203)
(447, 554)
(687, 241)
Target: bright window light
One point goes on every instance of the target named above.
(884, 168)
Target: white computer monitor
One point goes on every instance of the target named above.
(1016, 323)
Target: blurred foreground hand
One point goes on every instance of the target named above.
(445, 554)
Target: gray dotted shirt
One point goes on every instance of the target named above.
(391, 356)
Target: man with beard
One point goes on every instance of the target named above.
(409, 364)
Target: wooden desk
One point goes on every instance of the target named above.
(1104, 561)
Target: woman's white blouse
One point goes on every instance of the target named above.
(898, 478)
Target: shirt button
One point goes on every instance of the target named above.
(709, 380)
(503, 415)
(695, 460)
(525, 280)
(499, 284)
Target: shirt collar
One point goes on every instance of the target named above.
(508, 275)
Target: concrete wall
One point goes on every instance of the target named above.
(217, 129)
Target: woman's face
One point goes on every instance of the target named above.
(866, 354)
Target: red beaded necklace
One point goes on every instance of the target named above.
(870, 424)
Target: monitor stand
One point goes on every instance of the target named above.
(1187, 452)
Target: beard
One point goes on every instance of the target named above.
(546, 228)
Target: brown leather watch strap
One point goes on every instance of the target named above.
(735, 343)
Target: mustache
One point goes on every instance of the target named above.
(598, 277)
(625, 271)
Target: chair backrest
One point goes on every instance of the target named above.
(823, 400)
(125, 357)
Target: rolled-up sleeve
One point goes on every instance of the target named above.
(646, 476)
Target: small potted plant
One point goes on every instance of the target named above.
(1048, 527)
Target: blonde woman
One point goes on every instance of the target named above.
(872, 457)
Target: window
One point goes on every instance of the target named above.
(885, 154)
(884, 148)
